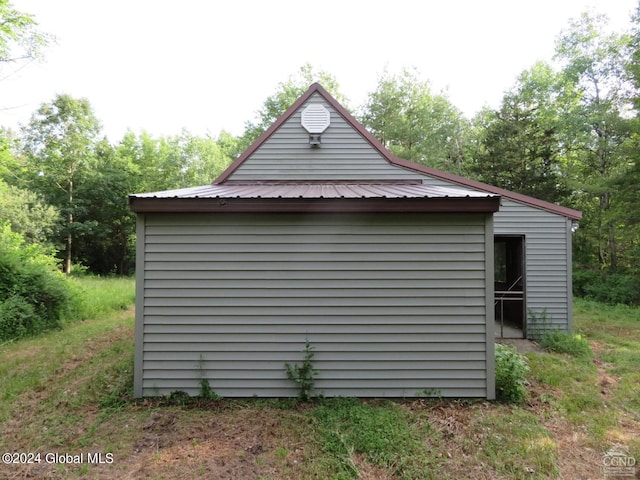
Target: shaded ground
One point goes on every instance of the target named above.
(521, 344)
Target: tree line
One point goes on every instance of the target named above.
(567, 131)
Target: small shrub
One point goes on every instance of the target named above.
(16, 318)
(178, 398)
(303, 374)
(511, 371)
(561, 342)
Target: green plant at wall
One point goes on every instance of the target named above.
(430, 393)
(511, 371)
(303, 374)
(206, 392)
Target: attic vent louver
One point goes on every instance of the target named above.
(315, 119)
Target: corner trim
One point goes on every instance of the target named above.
(490, 313)
(138, 370)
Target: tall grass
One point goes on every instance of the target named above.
(97, 296)
(29, 364)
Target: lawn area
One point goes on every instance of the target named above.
(68, 392)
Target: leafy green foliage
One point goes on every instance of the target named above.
(28, 214)
(303, 374)
(19, 37)
(519, 147)
(206, 392)
(597, 131)
(18, 318)
(416, 124)
(60, 144)
(33, 294)
(511, 371)
(562, 342)
(612, 288)
(286, 94)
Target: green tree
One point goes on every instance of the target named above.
(286, 94)
(19, 37)
(626, 185)
(204, 158)
(596, 129)
(59, 144)
(178, 161)
(27, 214)
(633, 65)
(143, 163)
(10, 165)
(416, 124)
(108, 247)
(519, 145)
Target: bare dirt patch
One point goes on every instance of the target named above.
(228, 444)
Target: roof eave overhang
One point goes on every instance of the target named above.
(316, 205)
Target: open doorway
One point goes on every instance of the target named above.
(509, 286)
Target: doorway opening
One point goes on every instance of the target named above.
(509, 286)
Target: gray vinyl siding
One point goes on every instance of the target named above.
(547, 261)
(392, 304)
(343, 155)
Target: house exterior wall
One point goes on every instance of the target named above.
(392, 304)
(343, 155)
(548, 290)
(346, 155)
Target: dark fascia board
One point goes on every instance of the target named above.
(315, 205)
(269, 131)
(484, 187)
(432, 172)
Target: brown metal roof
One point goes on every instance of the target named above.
(314, 197)
(462, 181)
(316, 191)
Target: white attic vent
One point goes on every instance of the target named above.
(315, 119)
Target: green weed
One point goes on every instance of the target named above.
(511, 375)
(206, 392)
(303, 374)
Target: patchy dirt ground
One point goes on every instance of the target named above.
(244, 440)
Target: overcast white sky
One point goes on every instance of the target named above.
(206, 65)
